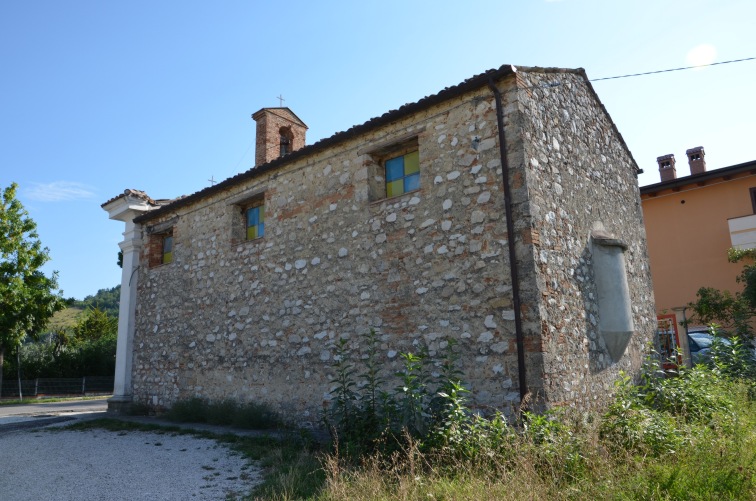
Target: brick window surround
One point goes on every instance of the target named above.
(160, 248)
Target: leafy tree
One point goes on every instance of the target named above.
(734, 311)
(27, 297)
(94, 325)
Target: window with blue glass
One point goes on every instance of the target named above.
(402, 174)
(167, 254)
(255, 222)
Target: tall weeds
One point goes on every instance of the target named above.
(687, 435)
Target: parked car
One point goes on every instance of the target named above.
(699, 342)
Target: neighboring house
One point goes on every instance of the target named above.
(691, 221)
(502, 213)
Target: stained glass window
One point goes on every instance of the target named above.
(402, 174)
(167, 249)
(255, 222)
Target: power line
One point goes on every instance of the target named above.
(673, 69)
(242, 157)
(556, 84)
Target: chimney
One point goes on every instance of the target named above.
(279, 132)
(696, 160)
(667, 169)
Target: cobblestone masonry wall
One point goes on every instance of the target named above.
(579, 178)
(258, 320)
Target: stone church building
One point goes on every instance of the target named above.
(503, 213)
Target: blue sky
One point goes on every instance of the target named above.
(99, 96)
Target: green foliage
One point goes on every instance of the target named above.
(734, 361)
(692, 395)
(74, 358)
(690, 435)
(94, 324)
(344, 390)
(631, 425)
(430, 410)
(88, 348)
(64, 319)
(657, 415)
(373, 398)
(411, 395)
(228, 412)
(107, 300)
(27, 297)
(733, 311)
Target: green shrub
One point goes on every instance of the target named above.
(686, 435)
(734, 361)
(630, 426)
(422, 411)
(256, 416)
(77, 358)
(695, 395)
(188, 411)
(226, 412)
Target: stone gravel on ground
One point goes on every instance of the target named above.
(95, 464)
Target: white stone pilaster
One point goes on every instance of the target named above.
(125, 209)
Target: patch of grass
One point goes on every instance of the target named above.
(64, 319)
(249, 415)
(690, 435)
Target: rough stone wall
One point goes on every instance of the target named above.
(580, 177)
(258, 320)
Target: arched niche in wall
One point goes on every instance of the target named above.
(286, 141)
(615, 308)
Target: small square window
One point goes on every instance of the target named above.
(402, 174)
(255, 218)
(167, 249)
(160, 246)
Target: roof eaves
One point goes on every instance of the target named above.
(269, 109)
(337, 138)
(403, 111)
(137, 194)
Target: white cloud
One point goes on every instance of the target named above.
(59, 191)
(701, 55)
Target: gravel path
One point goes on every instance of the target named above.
(105, 465)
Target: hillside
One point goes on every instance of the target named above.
(64, 319)
(106, 300)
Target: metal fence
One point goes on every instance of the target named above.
(95, 385)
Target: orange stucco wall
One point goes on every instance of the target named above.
(688, 238)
